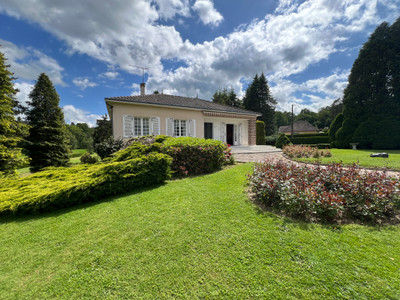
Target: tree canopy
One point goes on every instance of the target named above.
(11, 130)
(258, 98)
(372, 97)
(227, 97)
(48, 140)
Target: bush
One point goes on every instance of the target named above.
(301, 151)
(260, 133)
(333, 193)
(191, 156)
(311, 140)
(282, 140)
(271, 139)
(88, 159)
(108, 146)
(334, 127)
(62, 187)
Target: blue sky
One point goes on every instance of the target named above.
(191, 47)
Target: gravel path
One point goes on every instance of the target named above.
(260, 157)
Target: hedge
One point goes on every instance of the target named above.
(310, 140)
(260, 133)
(191, 156)
(60, 187)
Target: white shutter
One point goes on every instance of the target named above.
(155, 126)
(235, 135)
(170, 126)
(192, 128)
(128, 126)
(240, 134)
(223, 132)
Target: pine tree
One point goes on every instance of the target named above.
(373, 93)
(11, 131)
(102, 131)
(48, 143)
(259, 99)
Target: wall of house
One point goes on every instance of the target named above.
(136, 110)
(235, 121)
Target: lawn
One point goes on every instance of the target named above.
(198, 237)
(361, 157)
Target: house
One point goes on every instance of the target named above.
(299, 127)
(154, 114)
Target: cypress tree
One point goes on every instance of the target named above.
(373, 93)
(258, 98)
(11, 131)
(48, 140)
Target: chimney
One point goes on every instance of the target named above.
(142, 89)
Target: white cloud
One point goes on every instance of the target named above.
(83, 83)
(28, 63)
(207, 13)
(167, 9)
(25, 89)
(109, 75)
(77, 115)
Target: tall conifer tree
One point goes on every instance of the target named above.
(48, 140)
(11, 131)
(372, 98)
(258, 98)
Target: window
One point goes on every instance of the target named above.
(141, 126)
(179, 127)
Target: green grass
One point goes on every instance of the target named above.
(361, 157)
(193, 238)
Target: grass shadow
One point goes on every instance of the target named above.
(20, 218)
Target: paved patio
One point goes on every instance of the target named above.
(256, 153)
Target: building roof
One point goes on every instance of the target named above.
(178, 101)
(298, 126)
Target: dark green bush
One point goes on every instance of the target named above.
(301, 135)
(63, 187)
(260, 133)
(282, 140)
(87, 158)
(334, 127)
(194, 155)
(271, 139)
(311, 140)
(108, 146)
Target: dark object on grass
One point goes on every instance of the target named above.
(383, 154)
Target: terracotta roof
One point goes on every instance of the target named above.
(178, 101)
(298, 126)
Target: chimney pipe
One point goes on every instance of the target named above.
(142, 89)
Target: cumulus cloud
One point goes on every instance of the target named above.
(207, 13)
(77, 115)
(83, 83)
(288, 42)
(27, 63)
(25, 89)
(109, 75)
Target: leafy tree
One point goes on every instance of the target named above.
(81, 136)
(48, 140)
(282, 118)
(373, 91)
(336, 124)
(258, 98)
(226, 97)
(11, 131)
(102, 131)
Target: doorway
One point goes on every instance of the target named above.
(208, 130)
(229, 134)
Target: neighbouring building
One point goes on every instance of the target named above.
(155, 114)
(299, 127)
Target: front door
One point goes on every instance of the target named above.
(229, 134)
(208, 130)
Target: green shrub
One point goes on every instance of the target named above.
(63, 187)
(87, 158)
(271, 139)
(108, 146)
(334, 127)
(311, 140)
(301, 135)
(136, 149)
(282, 140)
(260, 133)
(192, 156)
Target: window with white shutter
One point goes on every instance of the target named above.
(223, 132)
(128, 126)
(155, 125)
(170, 126)
(192, 128)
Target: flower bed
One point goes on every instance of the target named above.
(298, 151)
(331, 193)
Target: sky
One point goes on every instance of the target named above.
(93, 49)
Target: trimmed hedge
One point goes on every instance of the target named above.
(191, 156)
(282, 140)
(311, 140)
(260, 133)
(55, 188)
